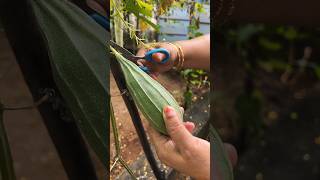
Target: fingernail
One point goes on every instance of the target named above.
(169, 112)
(157, 57)
(190, 122)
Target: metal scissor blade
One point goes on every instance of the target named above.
(125, 53)
(128, 55)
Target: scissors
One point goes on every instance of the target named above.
(148, 56)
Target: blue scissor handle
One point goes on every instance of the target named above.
(103, 21)
(145, 69)
(148, 55)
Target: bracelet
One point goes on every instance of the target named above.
(178, 54)
(181, 61)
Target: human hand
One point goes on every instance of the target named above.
(183, 151)
(155, 67)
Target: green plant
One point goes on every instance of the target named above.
(120, 12)
(118, 157)
(149, 95)
(142, 13)
(195, 78)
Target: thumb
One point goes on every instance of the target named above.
(232, 152)
(158, 57)
(175, 127)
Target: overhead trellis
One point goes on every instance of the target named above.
(78, 57)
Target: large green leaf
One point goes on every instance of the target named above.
(79, 60)
(222, 168)
(6, 165)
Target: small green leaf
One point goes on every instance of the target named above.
(199, 7)
(269, 44)
(138, 6)
(155, 26)
(291, 33)
(222, 168)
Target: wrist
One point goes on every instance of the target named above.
(178, 59)
(174, 53)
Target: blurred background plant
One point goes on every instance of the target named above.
(263, 73)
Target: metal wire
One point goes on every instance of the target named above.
(43, 99)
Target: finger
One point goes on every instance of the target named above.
(176, 129)
(141, 52)
(160, 141)
(190, 126)
(232, 152)
(158, 57)
(182, 110)
(142, 62)
(156, 74)
(153, 76)
(169, 155)
(156, 138)
(149, 65)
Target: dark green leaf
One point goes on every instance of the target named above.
(246, 32)
(222, 168)
(194, 75)
(79, 61)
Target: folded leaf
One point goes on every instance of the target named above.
(149, 95)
